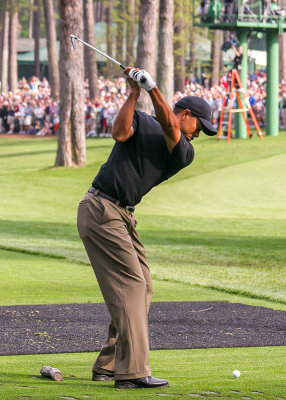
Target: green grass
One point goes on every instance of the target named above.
(33, 279)
(190, 373)
(219, 224)
(216, 231)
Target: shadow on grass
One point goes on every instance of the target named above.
(27, 153)
(23, 141)
(32, 229)
(38, 378)
(179, 246)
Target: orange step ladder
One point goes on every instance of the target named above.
(229, 97)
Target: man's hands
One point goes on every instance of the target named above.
(143, 78)
(165, 116)
(132, 83)
(139, 78)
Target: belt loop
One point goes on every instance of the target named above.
(117, 203)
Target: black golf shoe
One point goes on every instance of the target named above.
(101, 377)
(146, 382)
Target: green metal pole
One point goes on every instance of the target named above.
(240, 128)
(272, 109)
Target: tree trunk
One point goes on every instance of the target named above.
(95, 11)
(5, 52)
(187, 22)
(50, 23)
(31, 19)
(90, 59)
(13, 30)
(109, 40)
(165, 66)
(179, 47)
(130, 19)
(2, 13)
(37, 34)
(119, 30)
(146, 49)
(99, 10)
(216, 53)
(71, 140)
(192, 40)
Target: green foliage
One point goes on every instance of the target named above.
(24, 15)
(23, 7)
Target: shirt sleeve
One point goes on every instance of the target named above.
(135, 120)
(182, 155)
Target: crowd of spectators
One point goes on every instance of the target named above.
(31, 109)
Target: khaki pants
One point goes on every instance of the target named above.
(119, 263)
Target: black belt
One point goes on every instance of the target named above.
(130, 209)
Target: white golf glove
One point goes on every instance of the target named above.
(143, 79)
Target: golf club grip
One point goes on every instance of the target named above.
(142, 80)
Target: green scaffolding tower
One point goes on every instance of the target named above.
(244, 17)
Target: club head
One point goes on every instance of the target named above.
(73, 40)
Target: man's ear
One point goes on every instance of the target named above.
(187, 113)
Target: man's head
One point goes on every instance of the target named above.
(241, 49)
(194, 115)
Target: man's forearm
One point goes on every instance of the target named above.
(123, 121)
(164, 113)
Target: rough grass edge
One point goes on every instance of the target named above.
(240, 292)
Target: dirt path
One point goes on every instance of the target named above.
(68, 328)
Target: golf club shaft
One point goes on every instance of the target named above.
(98, 51)
(142, 80)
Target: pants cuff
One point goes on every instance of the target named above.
(103, 371)
(134, 375)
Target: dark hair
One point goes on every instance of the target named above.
(178, 110)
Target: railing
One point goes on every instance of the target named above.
(259, 11)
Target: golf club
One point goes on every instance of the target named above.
(73, 40)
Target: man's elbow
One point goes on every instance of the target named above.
(121, 136)
(117, 135)
(118, 138)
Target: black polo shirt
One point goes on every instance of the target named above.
(135, 166)
(237, 61)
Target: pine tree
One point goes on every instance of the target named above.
(216, 56)
(90, 58)
(109, 35)
(165, 65)
(146, 49)
(37, 34)
(13, 30)
(179, 47)
(130, 36)
(50, 23)
(119, 29)
(71, 139)
(5, 49)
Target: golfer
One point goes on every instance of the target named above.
(147, 151)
